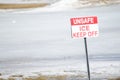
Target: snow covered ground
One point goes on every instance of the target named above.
(72, 67)
(60, 5)
(36, 42)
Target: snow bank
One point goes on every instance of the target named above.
(74, 4)
(63, 5)
(74, 67)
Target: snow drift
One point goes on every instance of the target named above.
(63, 5)
(69, 4)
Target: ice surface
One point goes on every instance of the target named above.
(49, 34)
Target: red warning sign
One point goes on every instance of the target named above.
(84, 27)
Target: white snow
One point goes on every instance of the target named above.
(63, 5)
(66, 5)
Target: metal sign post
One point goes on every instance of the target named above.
(87, 58)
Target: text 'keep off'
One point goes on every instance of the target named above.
(84, 27)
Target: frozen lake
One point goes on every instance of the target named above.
(49, 34)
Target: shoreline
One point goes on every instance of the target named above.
(21, 6)
(73, 69)
(56, 77)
